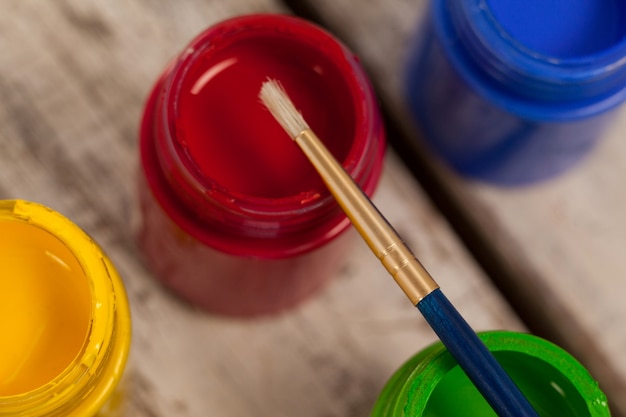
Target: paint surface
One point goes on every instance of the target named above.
(563, 28)
(45, 307)
(231, 138)
(550, 393)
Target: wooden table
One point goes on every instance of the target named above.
(73, 79)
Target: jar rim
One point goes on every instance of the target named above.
(521, 79)
(224, 211)
(242, 28)
(429, 367)
(89, 380)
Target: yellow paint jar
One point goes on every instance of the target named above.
(65, 325)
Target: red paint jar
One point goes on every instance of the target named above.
(233, 217)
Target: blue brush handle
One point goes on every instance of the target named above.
(474, 358)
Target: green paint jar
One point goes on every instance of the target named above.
(431, 384)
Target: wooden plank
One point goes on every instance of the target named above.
(556, 249)
(73, 79)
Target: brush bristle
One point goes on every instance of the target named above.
(275, 98)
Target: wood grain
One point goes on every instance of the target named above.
(73, 78)
(556, 248)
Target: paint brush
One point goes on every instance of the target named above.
(455, 333)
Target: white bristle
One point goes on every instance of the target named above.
(275, 98)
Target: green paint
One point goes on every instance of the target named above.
(431, 384)
(546, 388)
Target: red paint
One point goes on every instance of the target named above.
(234, 141)
(234, 218)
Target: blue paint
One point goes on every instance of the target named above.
(473, 357)
(563, 28)
(517, 91)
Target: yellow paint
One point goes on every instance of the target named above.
(45, 307)
(64, 317)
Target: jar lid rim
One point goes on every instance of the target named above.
(432, 364)
(524, 79)
(107, 343)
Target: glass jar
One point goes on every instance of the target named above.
(233, 218)
(431, 384)
(64, 316)
(513, 92)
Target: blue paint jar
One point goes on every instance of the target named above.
(513, 92)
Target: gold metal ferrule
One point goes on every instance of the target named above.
(379, 235)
